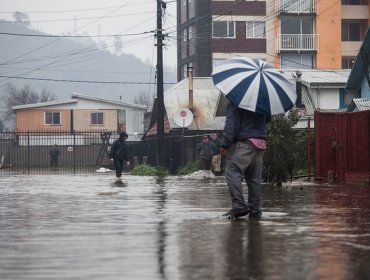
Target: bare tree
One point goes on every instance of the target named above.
(144, 98)
(22, 18)
(14, 96)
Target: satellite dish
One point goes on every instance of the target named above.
(183, 117)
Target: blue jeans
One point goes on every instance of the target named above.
(245, 162)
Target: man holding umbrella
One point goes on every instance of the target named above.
(256, 91)
(243, 143)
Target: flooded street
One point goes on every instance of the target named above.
(87, 227)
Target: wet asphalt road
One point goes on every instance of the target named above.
(87, 227)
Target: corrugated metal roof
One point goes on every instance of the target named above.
(75, 97)
(313, 78)
(359, 104)
(44, 104)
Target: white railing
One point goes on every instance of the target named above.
(297, 42)
(295, 6)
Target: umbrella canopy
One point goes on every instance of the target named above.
(254, 85)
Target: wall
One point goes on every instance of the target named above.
(82, 120)
(328, 25)
(34, 120)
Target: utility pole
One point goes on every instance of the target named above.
(160, 99)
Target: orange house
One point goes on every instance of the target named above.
(80, 113)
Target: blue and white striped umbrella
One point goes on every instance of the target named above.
(254, 85)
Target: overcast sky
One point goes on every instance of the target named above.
(134, 19)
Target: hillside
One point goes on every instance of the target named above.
(71, 60)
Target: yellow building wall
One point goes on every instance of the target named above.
(328, 26)
(82, 120)
(34, 120)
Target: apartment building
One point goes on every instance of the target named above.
(322, 34)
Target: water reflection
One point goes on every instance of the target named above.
(83, 227)
(161, 195)
(244, 251)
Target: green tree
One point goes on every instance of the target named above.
(14, 96)
(285, 147)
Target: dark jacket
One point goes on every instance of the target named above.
(54, 153)
(241, 124)
(118, 150)
(206, 150)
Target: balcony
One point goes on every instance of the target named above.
(297, 42)
(295, 7)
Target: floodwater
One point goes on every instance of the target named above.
(87, 227)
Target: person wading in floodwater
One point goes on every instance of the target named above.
(243, 144)
(118, 154)
(206, 150)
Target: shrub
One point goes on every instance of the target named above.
(189, 168)
(147, 170)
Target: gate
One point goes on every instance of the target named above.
(342, 146)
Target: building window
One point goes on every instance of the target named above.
(97, 118)
(347, 62)
(223, 29)
(256, 29)
(52, 118)
(354, 2)
(297, 25)
(351, 31)
(294, 61)
(188, 33)
(185, 35)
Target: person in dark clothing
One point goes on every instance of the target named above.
(243, 144)
(206, 150)
(216, 159)
(54, 155)
(118, 154)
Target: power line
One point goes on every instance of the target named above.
(75, 10)
(80, 81)
(73, 19)
(72, 36)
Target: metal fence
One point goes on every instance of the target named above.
(85, 151)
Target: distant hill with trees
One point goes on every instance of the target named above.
(62, 66)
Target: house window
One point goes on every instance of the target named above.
(256, 29)
(97, 118)
(351, 31)
(223, 29)
(52, 118)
